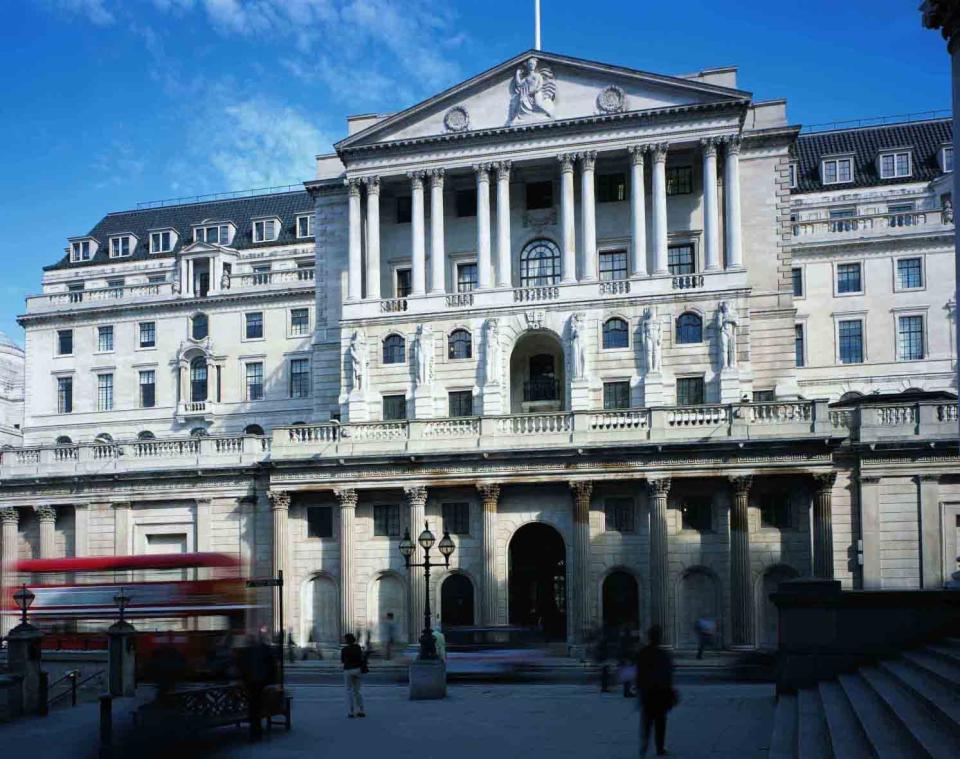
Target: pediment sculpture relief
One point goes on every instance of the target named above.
(534, 92)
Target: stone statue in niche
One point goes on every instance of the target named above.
(534, 92)
(726, 325)
(225, 281)
(492, 363)
(652, 333)
(947, 211)
(358, 359)
(578, 351)
(423, 355)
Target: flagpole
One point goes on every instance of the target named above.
(536, 24)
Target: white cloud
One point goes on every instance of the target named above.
(94, 11)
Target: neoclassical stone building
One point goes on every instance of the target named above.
(552, 310)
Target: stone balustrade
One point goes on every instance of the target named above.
(872, 225)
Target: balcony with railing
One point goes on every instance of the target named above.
(872, 225)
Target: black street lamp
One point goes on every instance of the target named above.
(24, 597)
(428, 647)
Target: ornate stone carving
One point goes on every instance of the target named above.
(416, 179)
(436, 177)
(652, 334)
(503, 169)
(582, 489)
(638, 153)
(489, 492)
(611, 100)
(709, 145)
(46, 513)
(947, 212)
(732, 144)
(659, 150)
(358, 359)
(578, 350)
(8, 515)
(566, 161)
(346, 497)
(416, 495)
(726, 325)
(423, 350)
(534, 318)
(534, 92)
(279, 500)
(456, 119)
(493, 360)
(825, 480)
(372, 184)
(741, 484)
(588, 159)
(658, 486)
(353, 186)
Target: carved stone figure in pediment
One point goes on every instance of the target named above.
(652, 333)
(358, 359)
(534, 91)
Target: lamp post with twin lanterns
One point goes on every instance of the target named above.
(428, 647)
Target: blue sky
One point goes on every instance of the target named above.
(111, 102)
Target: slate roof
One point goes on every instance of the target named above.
(924, 137)
(241, 211)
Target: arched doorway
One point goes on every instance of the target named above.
(456, 601)
(768, 620)
(698, 596)
(320, 609)
(387, 597)
(537, 587)
(537, 373)
(621, 601)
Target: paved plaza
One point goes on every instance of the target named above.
(500, 721)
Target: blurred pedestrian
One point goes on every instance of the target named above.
(705, 629)
(626, 652)
(389, 633)
(354, 664)
(440, 643)
(655, 688)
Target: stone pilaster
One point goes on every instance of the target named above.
(823, 525)
(490, 496)
(47, 519)
(658, 489)
(416, 498)
(568, 219)
(122, 529)
(347, 498)
(869, 498)
(9, 519)
(280, 509)
(931, 558)
(578, 608)
(741, 606)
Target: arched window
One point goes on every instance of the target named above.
(104, 438)
(199, 432)
(200, 327)
(459, 344)
(689, 328)
(198, 379)
(615, 333)
(64, 440)
(253, 429)
(851, 395)
(146, 435)
(394, 350)
(539, 264)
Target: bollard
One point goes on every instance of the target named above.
(106, 725)
(73, 687)
(43, 708)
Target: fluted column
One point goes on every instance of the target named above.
(347, 497)
(484, 279)
(47, 519)
(354, 245)
(490, 495)
(373, 237)
(418, 243)
(9, 519)
(568, 219)
(416, 502)
(741, 605)
(438, 254)
(711, 210)
(588, 207)
(579, 597)
(731, 196)
(658, 489)
(504, 258)
(660, 208)
(823, 525)
(280, 510)
(638, 211)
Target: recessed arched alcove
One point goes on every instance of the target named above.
(537, 373)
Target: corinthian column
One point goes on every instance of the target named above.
(588, 207)
(823, 525)
(568, 219)
(638, 210)
(348, 512)
(9, 520)
(731, 196)
(658, 489)
(579, 597)
(354, 250)
(660, 208)
(416, 502)
(741, 607)
(373, 237)
(711, 211)
(417, 240)
(437, 253)
(47, 518)
(280, 510)
(483, 226)
(503, 224)
(490, 495)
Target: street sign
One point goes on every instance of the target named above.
(266, 582)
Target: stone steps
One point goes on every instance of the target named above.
(897, 709)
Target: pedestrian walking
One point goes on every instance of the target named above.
(655, 688)
(389, 632)
(705, 629)
(354, 665)
(440, 643)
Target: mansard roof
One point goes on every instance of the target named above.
(924, 138)
(241, 211)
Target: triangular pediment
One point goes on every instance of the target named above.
(202, 247)
(540, 88)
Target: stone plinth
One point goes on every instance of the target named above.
(729, 385)
(23, 659)
(424, 404)
(492, 399)
(580, 395)
(121, 659)
(653, 390)
(428, 680)
(357, 407)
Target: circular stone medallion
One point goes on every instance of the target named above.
(457, 119)
(611, 99)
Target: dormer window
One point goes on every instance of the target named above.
(946, 158)
(266, 230)
(305, 225)
(895, 164)
(162, 242)
(121, 246)
(214, 234)
(81, 250)
(836, 170)
(793, 175)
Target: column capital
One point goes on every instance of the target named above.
(566, 161)
(436, 177)
(8, 515)
(709, 146)
(659, 150)
(482, 170)
(825, 480)
(503, 169)
(416, 495)
(372, 184)
(353, 186)
(279, 500)
(489, 491)
(638, 153)
(347, 497)
(582, 489)
(658, 486)
(868, 479)
(740, 483)
(121, 504)
(416, 178)
(732, 144)
(46, 513)
(588, 159)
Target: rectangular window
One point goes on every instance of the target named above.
(319, 522)
(104, 392)
(156, 279)
(616, 395)
(679, 180)
(837, 170)
(763, 396)
(254, 377)
(80, 251)
(148, 335)
(793, 176)
(849, 278)
(460, 402)
(456, 518)
(697, 514)
(64, 342)
(466, 277)
(619, 513)
(850, 337)
(539, 195)
(910, 337)
(611, 188)
(64, 395)
(105, 339)
(799, 349)
(690, 391)
(148, 389)
(404, 283)
(305, 225)
(775, 511)
(946, 159)
(300, 378)
(161, 242)
(797, 275)
(394, 407)
(215, 235)
(254, 325)
(613, 265)
(265, 231)
(299, 321)
(909, 273)
(680, 259)
(119, 247)
(404, 209)
(466, 203)
(386, 520)
(895, 164)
